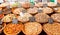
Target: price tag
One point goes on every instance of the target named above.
(24, 11)
(40, 10)
(21, 14)
(56, 9)
(1, 26)
(15, 21)
(0, 11)
(45, 5)
(50, 20)
(55, 1)
(32, 19)
(1, 21)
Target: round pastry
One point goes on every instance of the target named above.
(32, 28)
(51, 4)
(57, 9)
(32, 10)
(41, 17)
(2, 26)
(56, 17)
(18, 10)
(4, 4)
(24, 17)
(8, 18)
(47, 10)
(12, 29)
(26, 5)
(52, 29)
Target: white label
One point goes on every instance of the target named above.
(0, 22)
(14, 21)
(40, 10)
(21, 14)
(55, 8)
(32, 19)
(55, 1)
